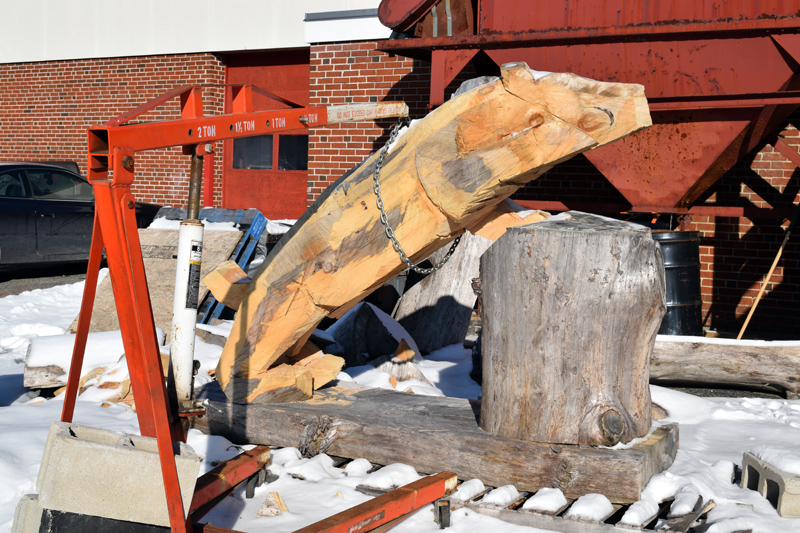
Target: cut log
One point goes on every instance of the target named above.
(228, 283)
(571, 308)
(324, 367)
(444, 175)
(727, 362)
(437, 310)
(507, 215)
(285, 383)
(435, 433)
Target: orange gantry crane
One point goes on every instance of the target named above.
(111, 171)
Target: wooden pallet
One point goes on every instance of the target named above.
(557, 520)
(611, 523)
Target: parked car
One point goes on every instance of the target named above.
(46, 215)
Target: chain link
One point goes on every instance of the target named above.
(376, 187)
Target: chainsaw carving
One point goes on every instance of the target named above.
(443, 176)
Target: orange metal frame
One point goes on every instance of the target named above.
(112, 151)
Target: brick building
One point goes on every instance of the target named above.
(326, 53)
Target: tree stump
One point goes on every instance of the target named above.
(571, 308)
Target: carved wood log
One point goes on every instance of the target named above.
(443, 175)
(727, 362)
(571, 308)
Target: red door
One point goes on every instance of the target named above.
(269, 172)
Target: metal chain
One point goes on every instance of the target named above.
(385, 219)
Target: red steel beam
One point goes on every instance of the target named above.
(706, 29)
(84, 318)
(149, 136)
(387, 507)
(723, 101)
(227, 476)
(787, 151)
(699, 210)
(190, 131)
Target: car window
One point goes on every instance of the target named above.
(12, 185)
(54, 185)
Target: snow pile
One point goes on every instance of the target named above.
(468, 490)
(639, 512)
(781, 457)
(279, 227)
(358, 468)
(547, 500)
(103, 349)
(314, 469)
(279, 458)
(391, 476)
(685, 501)
(501, 496)
(590, 507)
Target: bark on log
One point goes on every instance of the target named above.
(571, 308)
(443, 175)
(727, 362)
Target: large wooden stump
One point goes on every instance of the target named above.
(571, 308)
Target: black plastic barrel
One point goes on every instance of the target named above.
(681, 250)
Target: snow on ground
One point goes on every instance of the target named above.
(714, 433)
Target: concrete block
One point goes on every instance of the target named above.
(27, 515)
(780, 488)
(99, 472)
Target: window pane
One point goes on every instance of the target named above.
(253, 152)
(57, 186)
(293, 152)
(11, 185)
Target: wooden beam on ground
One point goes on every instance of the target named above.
(727, 362)
(443, 176)
(436, 433)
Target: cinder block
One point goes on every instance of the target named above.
(780, 488)
(99, 472)
(27, 515)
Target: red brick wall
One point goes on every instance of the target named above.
(352, 73)
(356, 73)
(46, 107)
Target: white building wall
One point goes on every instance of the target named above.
(47, 30)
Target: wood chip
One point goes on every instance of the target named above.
(273, 506)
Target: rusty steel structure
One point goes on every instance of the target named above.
(720, 76)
